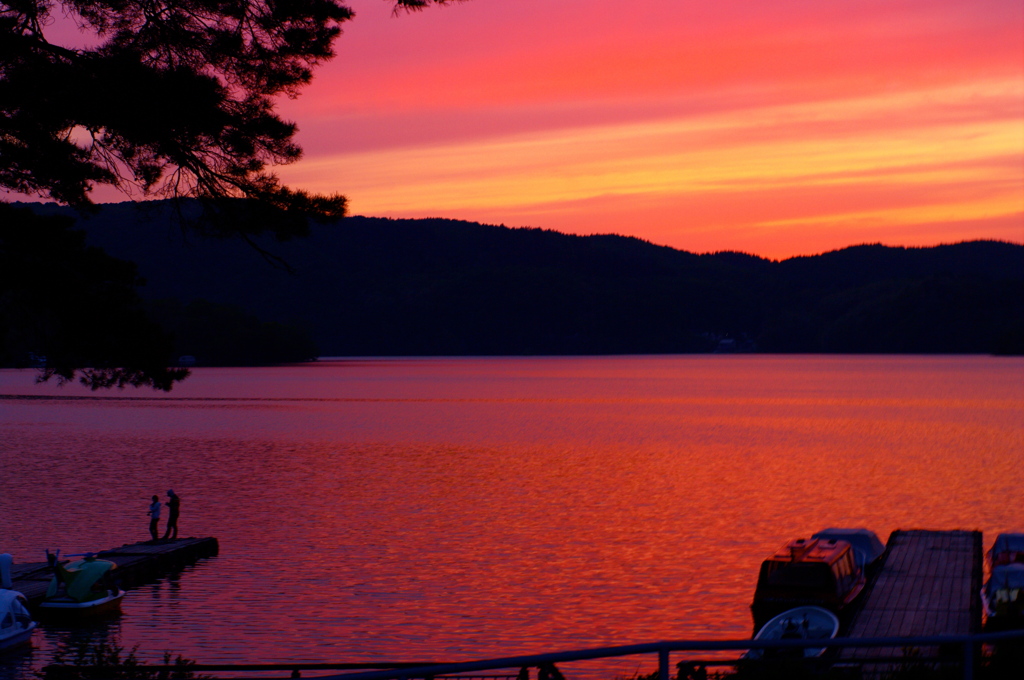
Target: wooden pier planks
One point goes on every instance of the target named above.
(137, 563)
(929, 585)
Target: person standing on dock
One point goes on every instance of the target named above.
(173, 504)
(154, 517)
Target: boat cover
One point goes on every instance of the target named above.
(79, 577)
(1006, 577)
(1006, 544)
(865, 543)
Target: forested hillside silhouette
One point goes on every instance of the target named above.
(375, 286)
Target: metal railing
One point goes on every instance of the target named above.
(969, 645)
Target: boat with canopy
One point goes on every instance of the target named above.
(821, 572)
(81, 588)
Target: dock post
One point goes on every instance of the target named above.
(663, 663)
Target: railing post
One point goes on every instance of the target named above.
(548, 671)
(663, 664)
(969, 660)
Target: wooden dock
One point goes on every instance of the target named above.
(137, 563)
(929, 584)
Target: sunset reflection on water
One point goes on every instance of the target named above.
(452, 509)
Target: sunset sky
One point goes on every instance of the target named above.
(777, 128)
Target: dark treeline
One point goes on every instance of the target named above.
(371, 286)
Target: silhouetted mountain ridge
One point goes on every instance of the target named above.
(378, 286)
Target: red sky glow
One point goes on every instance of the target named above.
(776, 128)
(782, 128)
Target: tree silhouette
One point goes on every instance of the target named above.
(89, 316)
(171, 98)
(174, 99)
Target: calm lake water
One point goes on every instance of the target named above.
(452, 509)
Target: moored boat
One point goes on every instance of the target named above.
(800, 623)
(1003, 594)
(819, 572)
(16, 624)
(1007, 549)
(81, 588)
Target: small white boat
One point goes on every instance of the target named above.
(80, 588)
(16, 624)
(800, 623)
(63, 606)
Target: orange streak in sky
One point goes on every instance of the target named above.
(947, 156)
